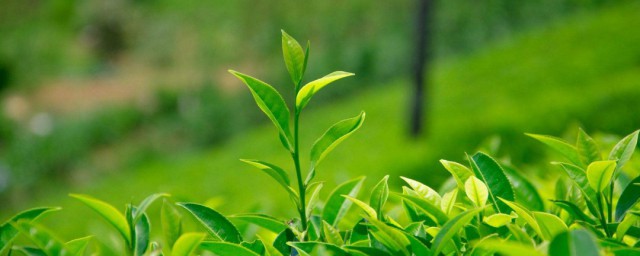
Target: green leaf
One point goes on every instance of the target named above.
(525, 192)
(579, 177)
(314, 248)
(498, 220)
(520, 235)
(599, 174)
(42, 237)
(392, 238)
(526, 216)
(280, 243)
(294, 57)
(488, 170)
(109, 213)
(265, 221)
(476, 191)
(29, 251)
(275, 172)
(451, 228)
(256, 246)
(379, 195)
(587, 148)
(448, 201)
(78, 246)
(171, 220)
(364, 206)
(272, 104)
(187, 244)
(333, 136)
(337, 206)
(417, 247)
(623, 150)
(216, 224)
(143, 229)
(630, 196)
(574, 243)
(574, 211)
(366, 250)
(509, 248)
(142, 207)
(424, 191)
(331, 235)
(310, 89)
(560, 146)
(624, 226)
(434, 212)
(550, 224)
(314, 198)
(226, 249)
(459, 172)
(8, 232)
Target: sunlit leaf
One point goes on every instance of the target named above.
(272, 104)
(277, 173)
(579, 177)
(333, 136)
(476, 191)
(459, 172)
(626, 223)
(337, 206)
(364, 206)
(526, 215)
(314, 198)
(623, 150)
(187, 244)
(560, 146)
(294, 57)
(599, 174)
(307, 91)
(331, 235)
(109, 213)
(574, 211)
(587, 148)
(448, 201)
(78, 246)
(41, 237)
(8, 232)
(312, 248)
(498, 220)
(434, 212)
(550, 224)
(490, 172)
(215, 223)
(142, 207)
(508, 248)
(171, 221)
(451, 228)
(392, 238)
(424, 191)
(379, 195)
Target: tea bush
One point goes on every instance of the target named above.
(490, 209)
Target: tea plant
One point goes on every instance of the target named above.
(491, 208)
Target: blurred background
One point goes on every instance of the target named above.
(123, 98)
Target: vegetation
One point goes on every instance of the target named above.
(490, 208)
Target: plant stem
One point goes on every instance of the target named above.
(610, 201)
(603, 220)
(296, 160)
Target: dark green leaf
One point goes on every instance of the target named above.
(256, 246)
(337, 206)
(280, 243)
(29, 251)
(560, 146)
(214, 222)
(109, 213)
(142, 234)
(451, 228)
(574, 243)
(187, 244)
(379, 195)
(272, 104)
(525, 192)
(294, 57)
(391, 237)
(333, 136)
(265, 221)
(226, 249)
(490, 172)
(630, 196)
(587, 148)
(8, 232)
(316, 247)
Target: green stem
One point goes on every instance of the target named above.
(603, 220)
(296, 159)
(610, 202)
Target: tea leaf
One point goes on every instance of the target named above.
(392, 238)
(579, 177)
(379, 195)
(313, 200)
(624, 226)
(187, 244)
(8, 232)
(630, 196)
(623, 150)
(337, 206)
(41, 237)
(314, 248)
(574, 211)
(265, 221)
(587, 148)
(560, 146)
(310, 89)
(550, 224)
(78, 246)
(333, 136)
(214, 222)
(364, 206)
(526, 215)
(226, 249)
(142, 234)
(417, 247)
(367, 250)
(477, 191)
(525, 192)
(424, 191)
(448, 201)
(451, 228)
(490, 172)
(599, 174)
(294, 57)
(574, 243)
(272, 104)
(509, 248)
(277, 173)
(498, 220)
(331, 235)
(28, 250)
(109, 213)
(459, 172)
(171, 221)
(426, 207)
(281, 241)
(142, 207)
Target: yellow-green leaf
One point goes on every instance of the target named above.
(187, 244)
(459, 172)
(364, 206)
(477, 191)
(333, 136)
(310, 89)
(294, 57)
(109, 213)
(498, 220)
(599, 174)
(424, 191)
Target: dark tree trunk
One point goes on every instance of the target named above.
(419, 98)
